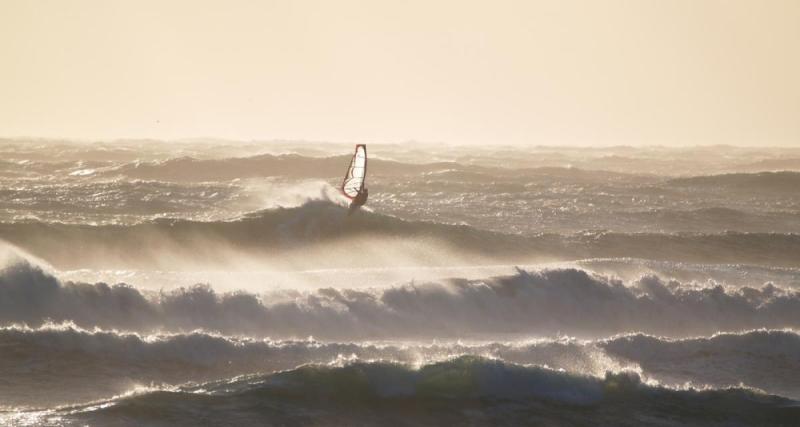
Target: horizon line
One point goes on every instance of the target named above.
(198, 139)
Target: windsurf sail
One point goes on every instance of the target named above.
(356, 174)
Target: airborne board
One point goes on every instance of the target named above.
(356, 173)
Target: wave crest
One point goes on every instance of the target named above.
(549, 301)
(465, 389)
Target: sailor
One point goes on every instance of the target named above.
(359, 200)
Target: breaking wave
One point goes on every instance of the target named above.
(545, 302)
(736, 275)
(273, 232)
(78, 365)
(464, 390)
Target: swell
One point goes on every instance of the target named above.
(298, 166)
(183, 166)
(704, 220)
(130, 198)
(545, 302)
(265, 165)
(271, 232)
(459, 391)
(772, 182)
(153, 154)
(190, 169)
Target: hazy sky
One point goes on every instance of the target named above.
(538, 72)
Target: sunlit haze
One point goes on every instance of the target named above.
(513, 72)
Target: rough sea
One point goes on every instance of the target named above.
(206, 282)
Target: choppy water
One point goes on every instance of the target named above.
(221, 283)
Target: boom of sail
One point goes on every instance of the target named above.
(356, 174)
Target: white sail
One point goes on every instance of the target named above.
(356, 173)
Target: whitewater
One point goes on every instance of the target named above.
(207, 282)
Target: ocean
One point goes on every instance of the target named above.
(210, 282)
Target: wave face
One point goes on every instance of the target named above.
(570, 301)
(465, 390)
(764, 359)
